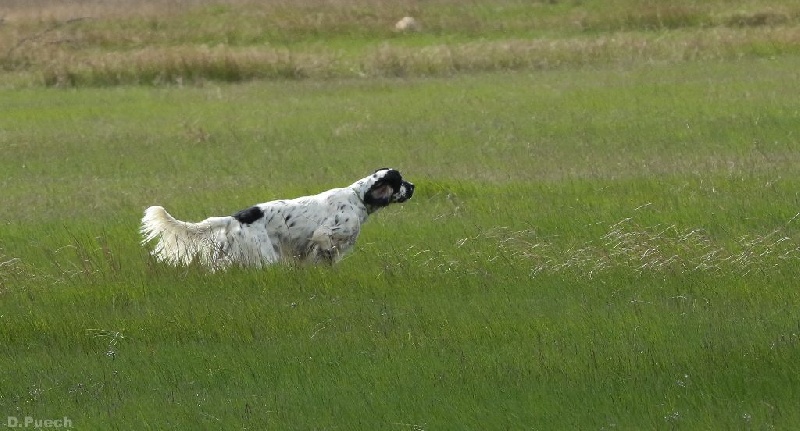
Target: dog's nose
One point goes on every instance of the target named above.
(405, 192)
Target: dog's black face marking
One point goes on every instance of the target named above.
(249, 215)
(389, 187)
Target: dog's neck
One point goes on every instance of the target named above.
(360, 193)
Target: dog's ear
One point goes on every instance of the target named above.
(385, 185)
(380, 193)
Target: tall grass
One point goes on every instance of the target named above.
(586, 248)
(642, 249)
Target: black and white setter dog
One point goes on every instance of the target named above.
(316, 229)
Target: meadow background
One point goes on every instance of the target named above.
(604, 233)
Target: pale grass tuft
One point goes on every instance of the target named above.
(12, 270)
(665, 249)
(626, 246)
(112, 337)
(407, 24)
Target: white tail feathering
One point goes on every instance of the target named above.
(216, 241)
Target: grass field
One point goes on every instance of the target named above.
(602, 236)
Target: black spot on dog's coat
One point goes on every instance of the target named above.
(249, 215)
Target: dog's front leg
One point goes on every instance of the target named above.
(322, 248)
(334, 237)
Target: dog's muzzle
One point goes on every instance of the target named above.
(405, 192)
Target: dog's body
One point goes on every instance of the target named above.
(316, 229)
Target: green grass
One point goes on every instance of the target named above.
(602, 244)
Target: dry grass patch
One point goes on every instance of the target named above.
(188, 64)
(625, 48)
(192, 64)
(164, 41)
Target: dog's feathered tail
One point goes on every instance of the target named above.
(178, 242)
(215, 242)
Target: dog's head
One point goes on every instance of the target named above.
(385, 186)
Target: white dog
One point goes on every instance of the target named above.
(318, 228)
